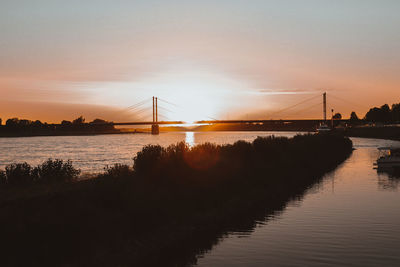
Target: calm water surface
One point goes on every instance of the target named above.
(93, 153)
(352, 218)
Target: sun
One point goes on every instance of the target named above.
(184, 94)
(190, 96)
(190, 107)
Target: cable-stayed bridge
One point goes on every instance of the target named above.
(149, 115)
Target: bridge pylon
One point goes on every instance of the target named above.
(155, 129)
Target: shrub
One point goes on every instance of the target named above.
(145, 160)
(118, 170)
(55, 171)
(202, 157)
(19, 174)
(3, 178)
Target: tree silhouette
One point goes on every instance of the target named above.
(337, 116)
(99, 121)
(382, 114)
(354, 117)
(79, 120)
(396, 113)
(66, 123)
(13, 122)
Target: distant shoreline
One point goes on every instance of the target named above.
(65, 134)
(378, 132)
(207, 128)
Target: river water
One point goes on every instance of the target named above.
(93, 153)
(351, 218)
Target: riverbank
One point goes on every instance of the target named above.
(175, 202)
(58, 134)
(93, 129)
(77, 133)
(26, 128)
(378, 132)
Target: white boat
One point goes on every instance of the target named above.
(323, 128)
(390, 158)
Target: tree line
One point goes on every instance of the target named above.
(15, 125)
(383, 114)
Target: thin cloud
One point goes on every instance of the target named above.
(287, 91)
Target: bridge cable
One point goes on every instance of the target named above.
(146, 116)
(308, 108)
(292, 106)
(348, 101)
(178, 106)
(139, 103)
(124, 110)
(165, 109)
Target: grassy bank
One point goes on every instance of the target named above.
(174, 203)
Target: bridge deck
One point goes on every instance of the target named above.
(147, 123)
(268, 121)
(223, 122)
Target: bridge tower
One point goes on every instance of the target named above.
(324, 100)
(155, 129)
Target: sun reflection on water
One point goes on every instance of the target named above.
(189, 138)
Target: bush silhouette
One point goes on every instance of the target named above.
(19, 174)
(3, 178)
(145, 159)
(55, 171)
(49, 171)
(117, 170)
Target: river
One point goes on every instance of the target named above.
(93, 153)
(351, 218)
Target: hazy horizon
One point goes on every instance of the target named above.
(225, 59)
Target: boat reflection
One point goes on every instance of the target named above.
(388, 168)
(389, 159)
(388, 180)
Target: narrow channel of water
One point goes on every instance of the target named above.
(352, 218)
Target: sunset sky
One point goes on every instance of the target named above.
(220, 59)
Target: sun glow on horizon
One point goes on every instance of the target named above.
(214, 59)
(183, 95)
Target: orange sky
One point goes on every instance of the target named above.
(225, 60)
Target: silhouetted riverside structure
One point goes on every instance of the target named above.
(288, 124)
(382, 115)
(155, 128)
(173, 203)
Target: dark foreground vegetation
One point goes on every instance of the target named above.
(15, 127)
(172, 204)
(49, 172)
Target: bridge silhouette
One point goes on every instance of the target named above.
(155, 122)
